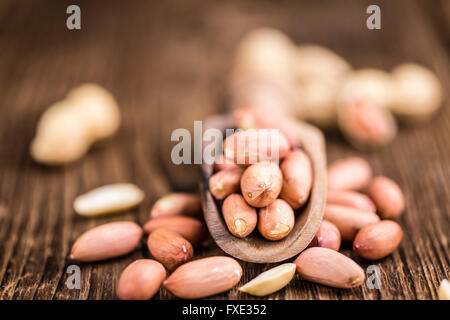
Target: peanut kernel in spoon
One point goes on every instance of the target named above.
(276, 220)
(241, 219)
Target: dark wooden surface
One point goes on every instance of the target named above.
(165, 62)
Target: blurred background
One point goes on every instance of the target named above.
(166, 62)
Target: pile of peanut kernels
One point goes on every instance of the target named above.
(175, 228)
(349, 214)
(274, 190)
(313, 83)
(270, 74)
(175, 225)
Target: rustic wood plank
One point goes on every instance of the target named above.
(166, 62)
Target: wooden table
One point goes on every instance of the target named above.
(165, 61)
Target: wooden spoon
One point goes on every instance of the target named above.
(255, 248)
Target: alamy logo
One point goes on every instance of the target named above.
(74, 20)
(373, 277)
(242, 147)
(74, 280)
(374, 20)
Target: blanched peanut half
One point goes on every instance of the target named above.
(62, 136)
(204, 277)
(365, 125)
(419, 93)
(319, 102)
(169, 248)
(328, 236)
(175, 204)
(108, 199)
(276, 93)
(261, 183)
(223, 163)
(353, 173)
(263, 118)
(270, 281)
(297, 178)
(264, 51)
(276, 220)
(240, 218)
(225, 182)
(329, 267)
(351, 199)
(319, 73)
(68, 128)
(141, 280)
(98, 108)
(349, 220)
(378, 240)
(370, 85)
(107, 241)
(444, 290)
(189, 228)
(388, 197)
(317, 62)
(254, 145)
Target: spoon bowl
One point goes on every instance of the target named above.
(254, 248)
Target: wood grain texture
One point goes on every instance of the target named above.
(254, 248)
(165, 62)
